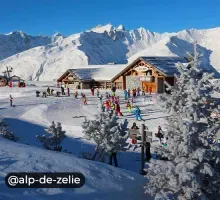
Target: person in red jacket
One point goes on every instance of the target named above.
(150, 90)
(108, 105)
(11, 101)
(92, 90)
(118, 110)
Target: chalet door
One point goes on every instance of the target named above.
(160, 85)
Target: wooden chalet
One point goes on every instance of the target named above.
(147, 72)
(97, 76)
(16, 81)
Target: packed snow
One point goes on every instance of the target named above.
(32, 115)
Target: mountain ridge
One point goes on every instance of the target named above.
(105, 44)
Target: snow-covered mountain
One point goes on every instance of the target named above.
(104, 44)
(18, 41)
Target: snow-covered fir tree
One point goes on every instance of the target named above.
(193, 169)
(106, 132)
(53, 138)
(6, 133)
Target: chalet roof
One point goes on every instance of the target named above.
(84, 73)
(96, 72)
(167, 65)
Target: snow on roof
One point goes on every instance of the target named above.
(166, 64)
(108, 72)
(98, 72)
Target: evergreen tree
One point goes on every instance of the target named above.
(105, 131)
(6, 133)
(193, 169)
(55, 137)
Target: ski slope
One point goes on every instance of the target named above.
(32, 115)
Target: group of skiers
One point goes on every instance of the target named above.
(113, 103)
(50, 92)
(135, 92)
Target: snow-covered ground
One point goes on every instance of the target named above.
(103, 182)
(31, 115)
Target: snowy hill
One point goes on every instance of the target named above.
(104, 44)
(18, 41)
(102, 181)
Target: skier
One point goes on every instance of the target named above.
(138, 91)
(58, 94)
(138, 113)
(68, 91)
(108, 105)
(113, 91)
(113, 155)
(37, 93)
(113, 98)
(113, 106)
(147, 151)
(128, 106)
(159, 133)
(11, 101)
(118, 110)
(129, 93)
(62, 90)
(143, 92)
(76, 94)
(106, 95)
(84, 100)
(118, 100)
(44, 94)
(97, 92)
(48, 91)
(51, 92)
(150, 90)
(132, 101)
(92, 90)
(134, 127)
(101, 97)
(125, 94)
(134, 93)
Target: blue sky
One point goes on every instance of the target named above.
(46, 17)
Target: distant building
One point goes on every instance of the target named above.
(98, 76)
(13, 81)
(144, 72)
(16, 81)
(3, 81)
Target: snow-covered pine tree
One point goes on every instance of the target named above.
(6, 133)
(53, 141)
(105, 131)
(116, 136)
(193, 169)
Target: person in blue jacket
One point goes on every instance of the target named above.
(137, 113)
(126, 94)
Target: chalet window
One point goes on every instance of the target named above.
(149, 73)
